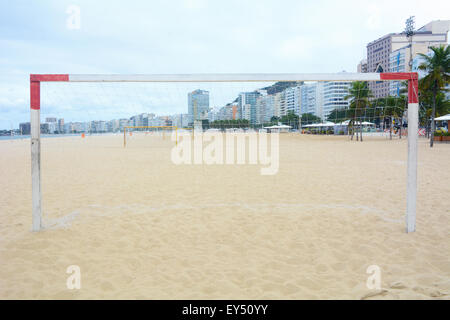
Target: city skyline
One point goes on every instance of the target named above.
(255, 105)
(146, 42)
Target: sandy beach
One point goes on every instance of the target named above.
(141, 227)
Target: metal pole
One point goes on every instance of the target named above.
(35, 123)
(411, 196)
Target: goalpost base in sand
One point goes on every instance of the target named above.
(413, 116)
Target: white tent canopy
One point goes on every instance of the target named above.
(318, 125)
(283, 126)
(443, 118)
(364, 123)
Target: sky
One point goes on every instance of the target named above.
(180, 36)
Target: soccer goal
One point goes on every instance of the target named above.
(244, 113)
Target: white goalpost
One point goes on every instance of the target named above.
(413, 116)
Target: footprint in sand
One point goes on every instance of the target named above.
(107, 286)
(374, 294)
(431, 292)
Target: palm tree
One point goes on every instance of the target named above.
(359, 94)
(438, 68)
(442, 106)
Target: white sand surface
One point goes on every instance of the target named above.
(139, 226)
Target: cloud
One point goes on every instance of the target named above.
(12, 95)
(299, 47)
(73, 21)
(194, 4)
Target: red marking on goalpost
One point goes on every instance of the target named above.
(35, 95)
(413, 83)
(398, 76)
(35, 86)
(49, 77)
(413, 91)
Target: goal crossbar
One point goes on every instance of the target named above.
(225, 77)
(413, 115)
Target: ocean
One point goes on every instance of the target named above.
(19, 137)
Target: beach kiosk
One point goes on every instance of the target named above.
(442, 136)
(445, 118)
(320, 127)
(282, 128)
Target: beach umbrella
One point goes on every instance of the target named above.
(443, 118)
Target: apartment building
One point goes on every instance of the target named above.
(379, 51)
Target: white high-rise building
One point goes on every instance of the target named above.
(320, 98)
(212, 115)
(52, 127)
(247, 111)
(312, 98)
(123, 123)
(198, 105)
(334, 97)
(379, 51)
(265, 108)
(292, 98)
(277, 101)
(400, 61)
(229, 112)
(176, 120)
(184, 120)
(260, 109)
(269, 110)
(247, 105)
(417, 61)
